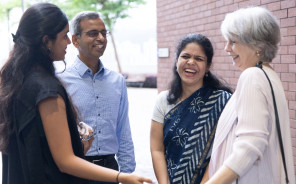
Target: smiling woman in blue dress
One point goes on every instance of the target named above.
(186, 115)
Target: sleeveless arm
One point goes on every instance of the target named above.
(54, 120)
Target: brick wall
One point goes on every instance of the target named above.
(176, 18)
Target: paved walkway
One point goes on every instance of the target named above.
(141, 102)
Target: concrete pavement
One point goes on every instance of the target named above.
(141, 104)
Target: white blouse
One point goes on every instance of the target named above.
(246, 139)
(162, 107)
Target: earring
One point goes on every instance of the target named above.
(258, 53)
(207, 74)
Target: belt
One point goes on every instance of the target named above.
(96, 159)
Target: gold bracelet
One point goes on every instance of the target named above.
(117, 177)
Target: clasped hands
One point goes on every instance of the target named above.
(86, 134)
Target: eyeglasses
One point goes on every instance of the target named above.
(95, 33)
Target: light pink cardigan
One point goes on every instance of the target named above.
(246, 139)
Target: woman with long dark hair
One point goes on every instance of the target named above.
(186, 115)
(39, 139)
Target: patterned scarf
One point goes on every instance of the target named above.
(189, 130)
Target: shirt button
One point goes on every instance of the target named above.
(99, 131)
(97, 97)
(99, 114)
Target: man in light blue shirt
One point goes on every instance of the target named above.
(100, 96)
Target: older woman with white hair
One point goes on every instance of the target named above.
(246, 147)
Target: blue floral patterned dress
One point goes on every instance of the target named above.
(189, 130)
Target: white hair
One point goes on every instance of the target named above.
(255, 27)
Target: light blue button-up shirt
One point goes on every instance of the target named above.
(103, 104)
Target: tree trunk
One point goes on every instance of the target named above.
(8, 29)
(23, 6)
(115, 52)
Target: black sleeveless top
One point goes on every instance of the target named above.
(29, 160)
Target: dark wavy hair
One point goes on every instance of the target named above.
(210, 80)
(29, 51)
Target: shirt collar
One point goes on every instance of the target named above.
(102, 67)
(82, 68)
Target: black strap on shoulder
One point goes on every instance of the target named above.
(259, 65)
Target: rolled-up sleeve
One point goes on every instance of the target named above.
(125, 155)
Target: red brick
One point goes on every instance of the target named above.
(219, 18)
(287, 4)
(264, 6)
(211, 6)
(218, 59)
(211, 19)
(284, 32)
(292, 114)
(281, 13)
(287, 22)
(274, 6)
(288, 40)
(244, 4)
(289, 77)
(211, 26)
(267, 1)
(283, 50)
(293, 132)
(254, 3)
(292, 68)
(287, 58)
(221, 10)
(285, 85)
(280, 68)
(220, 46)
(226, 2)
(292, 105)
(292, 86)
(203, 7)
(232, 7)
(233, 81)
(237, 74)
(293, 123)
(291, 12)
(291, 31)
(292, 49)
(276, 59)
(222, 66)
(219, 3)
(294, 142)
(290, 96)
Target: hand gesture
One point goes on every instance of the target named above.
(86, 135)
(132, 179)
